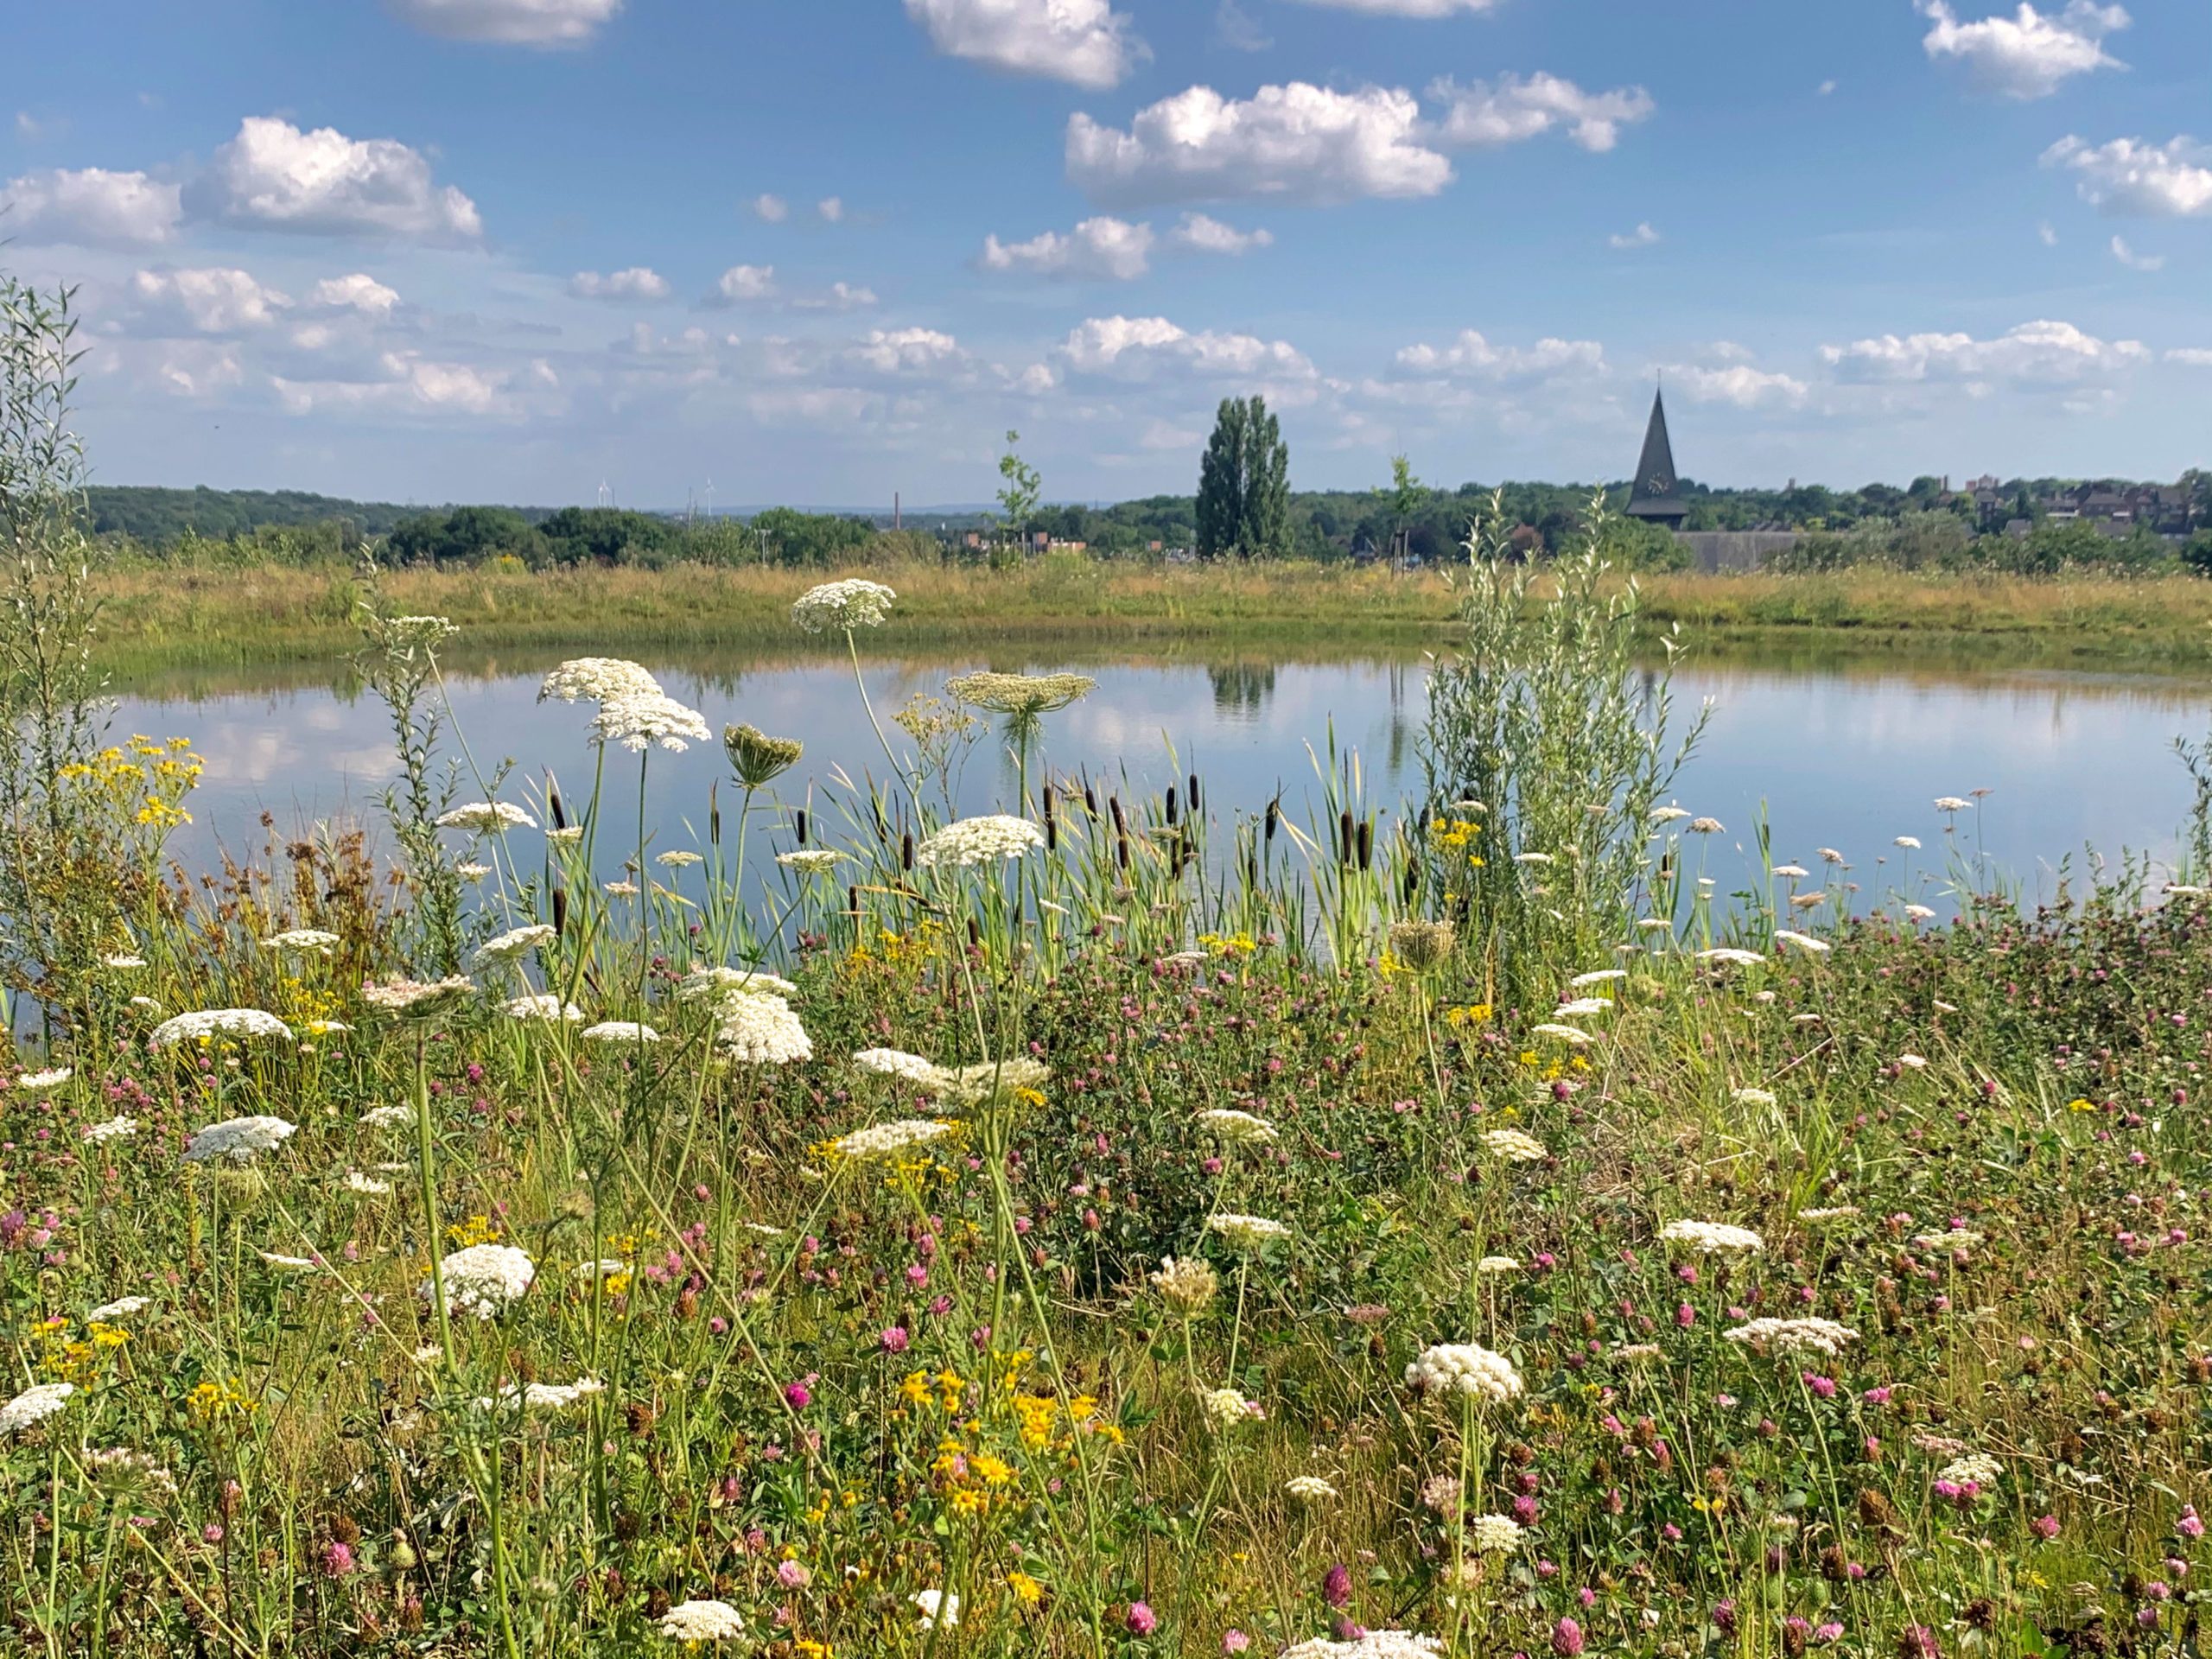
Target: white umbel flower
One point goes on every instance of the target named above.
(543, 1006)
(936, 1604)
(483, 1280)
(1751, 1096)
(702, 1621)
(811, 860)
(760, 1029)
(239, 1139)
(892, 1139)
(979, 841)
(115, 1128)
(638, 721)
(1801, 1336)
(841, 607)
(1572, 1036)
(897, 1063)
(33, 1405)
(302, 941)
(1248, 1232)
(1732, 956)
(1227, 1408)
(1582, 1008)
(1310, 1489)
(596, 679)
(1494, 1535)
(1373, 1644)
(544, 1397)
(1600, 976)
(122, 1308)
(1466, 1368)
(485, 817)
(387, 1118)
(513, 943)
(209, 1023)
(618, 1031)
(712, 984)
(1234, 1128)
(52, 1078)
(1805, 942)
(1515, 1145)
(1711, 1237)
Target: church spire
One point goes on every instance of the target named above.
(1656, 494)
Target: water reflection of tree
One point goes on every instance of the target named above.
(1242, 688)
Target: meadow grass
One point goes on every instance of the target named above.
(156, 617)
(1135, 1225)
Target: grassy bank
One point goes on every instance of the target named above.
(158, 618)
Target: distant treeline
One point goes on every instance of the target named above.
(1923, 526)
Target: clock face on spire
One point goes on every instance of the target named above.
(1658, 485)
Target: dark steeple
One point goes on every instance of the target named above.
(1656, 494)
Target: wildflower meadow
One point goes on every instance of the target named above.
(1125, 1222)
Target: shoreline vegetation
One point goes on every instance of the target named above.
(156, 619)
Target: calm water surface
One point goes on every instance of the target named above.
(1847, 758)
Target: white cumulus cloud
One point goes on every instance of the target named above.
(1472, 356)
(1408, 8)
(274, 176)
(839, 296)
(1739, 383)
(91, 206)
(1139, 347)
(510, 22)
(832, 209)
(2030, 54)
(1203, 235)
(741, 283)
(1084, 42)
(2194, 357)
(357, 292)
(1297, 141)
(1102, 247)
(2130, 176)
(906, 350)
(218, 300)
(637, 282)
(2135, 261)
(1641, 237)
(2040, 352)
(772, 207)
(1514, 110)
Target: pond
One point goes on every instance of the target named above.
(1833, 755)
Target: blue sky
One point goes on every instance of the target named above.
(430, 249)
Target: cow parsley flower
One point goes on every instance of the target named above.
(122, 1308)
(1751, 1096)
(678, 859)
(367, 1186)
(484, 1279)
(811, 861)
(1600, 977)
(1800, 1336)
(1234, 1128)
(49, 1079)
(1731, 955)
(892, 1139)
(1371, 1644)
(1227, 1408)
(1020, 696)
(1711, 1237)
(544, 1397)
(1489, 1265)
(1187, 1284)
(485, 818)
(758, 759)
(1582, 1008)
(985, 1081)
(123, 962)
(1515, 1145)
(702, 1621)
(1977, 1468)
(1248, 1232)
(513, 944)
(760, 1029)
(897, 1063)
(115, 1128)
(389, 1117)
(1804, 941)
(543, 1007)
(1572, 1036)
(1831, 1213)
(713, 984)
(596, 679)
(644, 718)
(1494, 1535)
(978, 841)
(240, 1139)
(33, 1405)
(1311, 1489)
(618, 1031)
(1466, 1368)
(210, 1023)
(841, 607)
(417, 999)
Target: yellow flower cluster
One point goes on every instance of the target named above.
(146, 780)
(1455, 836)
(213, 1401)
(477, 1230)
(1229, 944)
(73, 1359)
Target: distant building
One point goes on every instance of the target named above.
(1656, 495)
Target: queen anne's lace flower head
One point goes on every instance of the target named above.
(702, 1621)
(1515, 1145)
(122, 1308)
(115, 1128)
(1188, 1284)
(644, 718)
(1800, 1336)
(892, 1139)
(1711, 1237)
(1572, 1036)
(239, 1139)
(811, 861)
(1023, 696)
(1732, 956)
(417, 999)
(758, 759)
(760, 1028)
(52, 1078)
(1805, 942)
(210, 1023)
(302, 941)
(1310, 1489)
(596, 679)
(1371, 1644)
(979, 841)
(485, 817)
(717, 983)
(544, 1396)
(1248, 1232)
(483, 1280)
(841, 607)
(897, 1063)
(1227, 1408)
(618, 1031)
(1234, 1128)
(33, 1405)
(1494, 1535)
(1466, 1367)
(514, 943)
